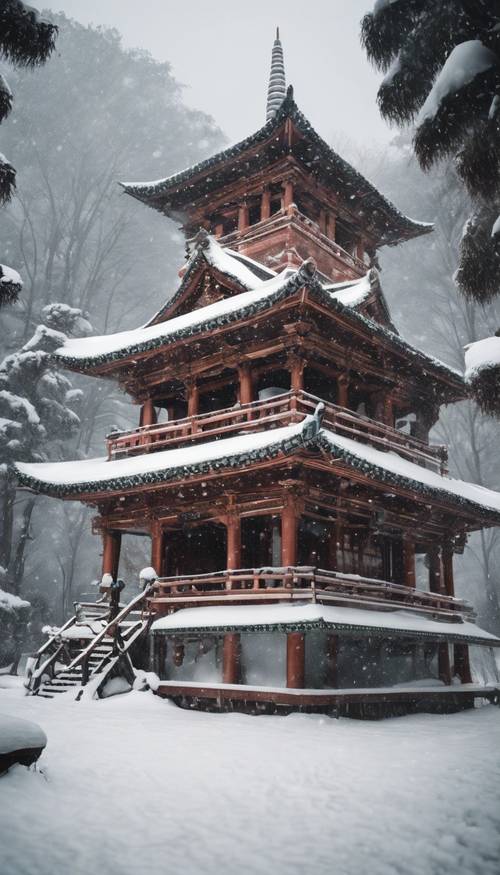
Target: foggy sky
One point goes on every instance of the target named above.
(221, 51)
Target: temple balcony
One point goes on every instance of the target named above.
(275, 412)
(288, 237)
(302, 584)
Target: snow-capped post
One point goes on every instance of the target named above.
(147, 577)
(312, 424)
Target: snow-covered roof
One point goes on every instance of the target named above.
(242, 271)
(287, 617)
(101, 475)
(482, 355)
(257, 295)
(171, 194)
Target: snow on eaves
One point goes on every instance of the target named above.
(94, 350)
(395, 224)
(480, 356)
(467, 60)
(287, 617)
(91, 352)
(101, 475)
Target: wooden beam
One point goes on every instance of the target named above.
(461, 662)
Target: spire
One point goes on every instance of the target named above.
(276, 92)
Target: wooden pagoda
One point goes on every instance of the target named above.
(302, 526)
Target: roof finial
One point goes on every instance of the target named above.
(276, 92)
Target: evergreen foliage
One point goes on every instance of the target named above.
(442, 64)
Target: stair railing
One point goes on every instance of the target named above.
(109, 630)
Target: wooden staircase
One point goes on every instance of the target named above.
(57, 668)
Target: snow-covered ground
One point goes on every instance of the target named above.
(134, 785)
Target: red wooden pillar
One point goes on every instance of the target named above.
(360, 249)
(233, 545)
(246, 384)
(435, 570)
(444, 667)
(343, 390)
(447, 554)
(409, 561)
(265, 205)
(148, 413)
(158, 543)
(287, 194)
(289, 532)
(193, 399)
(243, 217)
(462, 663)
(322, 221)
(388, 411)
(295, 660)
(296, 368)
(111, 552)
(231, 658)
(331, 226)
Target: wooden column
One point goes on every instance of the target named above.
(148, 413)
(331, 226)
(231, 658)
(233, 545)
(435, 570)
(246, 384)
(409, 561)
(289, 520)
(322, 221)
(342, 390)
(111, 542)
(287, 194)
(444, 667)
(265, 205)
(462, 663)
(447, 555)
(360, 249)
(243, 217)
(158, 542)
(332, 656)
(193, 398)
(388, 411)
(296, 367)
(295, 660)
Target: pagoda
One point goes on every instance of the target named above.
(302, 526)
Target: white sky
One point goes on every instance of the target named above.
(221, 51)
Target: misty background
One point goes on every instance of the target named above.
(137, 92)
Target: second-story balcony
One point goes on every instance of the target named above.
(276, 412)
(303, 584)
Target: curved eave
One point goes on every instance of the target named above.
(98, 363)
(450, 632)
(171, 194)
(481, 506)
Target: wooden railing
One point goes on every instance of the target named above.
(275, 412)
(300, 583)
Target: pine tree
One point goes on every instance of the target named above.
(26, 40)
(441, 60)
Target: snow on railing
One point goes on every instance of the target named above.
(301, 582)
(278, 411)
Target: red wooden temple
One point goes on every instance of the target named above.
(302, 526)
